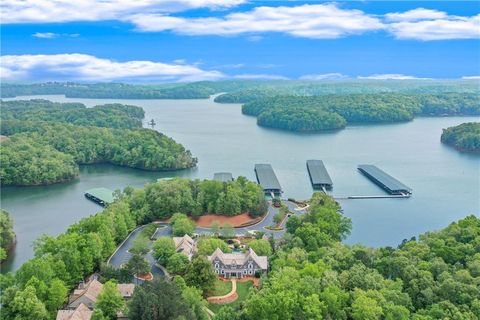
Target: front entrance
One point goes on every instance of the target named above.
(236, 274)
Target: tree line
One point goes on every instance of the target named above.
(108, 115)
(198, 197)
(317, 113)
(7, 235)
(464, 137)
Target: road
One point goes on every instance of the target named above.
(121, 255)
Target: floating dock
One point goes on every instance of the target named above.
(102, 196)
(223, 176)
(384, 180)
(267, 179)
(319, 176)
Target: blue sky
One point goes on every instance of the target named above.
(187, 40)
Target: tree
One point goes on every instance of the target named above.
(293, 223)
(200, 274)
(97, 314)
(195, 302)
(110, 301)
(226, 313)
(215, 228)
(163, 248)
(261, 247)
(206, 246)
(227, 231)
(139, 246)
(177, 263)
(138, 265)
(181, 225)
(27, 306)
(57, 295)
(365, 308)
(158, 300)
(7, 236)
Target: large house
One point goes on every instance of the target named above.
(85, 296)
(185, 245)
(238, 265)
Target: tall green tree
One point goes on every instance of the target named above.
(110, 301)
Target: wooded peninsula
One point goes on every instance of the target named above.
(464, 137)
(47, 141)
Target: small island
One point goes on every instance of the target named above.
(464, 137)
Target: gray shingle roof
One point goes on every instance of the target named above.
(382, 177)
(318, 173)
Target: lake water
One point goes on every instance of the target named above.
(445, 182)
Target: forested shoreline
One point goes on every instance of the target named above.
(313, 275)
(464, 137)
(47, 141)
(235, 91)
(318, 113)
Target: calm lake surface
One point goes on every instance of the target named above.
(445, 183)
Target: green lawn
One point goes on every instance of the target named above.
(221, 288)
(243, 288)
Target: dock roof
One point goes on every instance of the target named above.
(223, 176)
(318, 173)
(104, 194)
(266, 177)
(382, 177)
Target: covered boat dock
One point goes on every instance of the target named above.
(267, 179)
(319, 176)
(384, 180)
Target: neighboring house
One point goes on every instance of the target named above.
(85, 296)
(185, 245)
(238, 265)
(82, 312)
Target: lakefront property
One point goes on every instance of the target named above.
(238, 264)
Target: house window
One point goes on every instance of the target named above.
(223, 271)
(217, 266)
(244, 271)
(250, 271)
(250, 265)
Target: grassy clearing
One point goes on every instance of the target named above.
(243, 289)
(221, 288)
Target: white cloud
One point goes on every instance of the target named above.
(249, 76)
(325, 76)
(471, 77)
(45, 35)
(319, 21)
(390, 76)
(426, 25)
(48, 11)
(415, 15)
(89, 68)
(51, 35)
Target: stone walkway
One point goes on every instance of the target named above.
(229, 297)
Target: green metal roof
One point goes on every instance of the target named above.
(104, 194)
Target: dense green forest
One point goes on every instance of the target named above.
(7, 236)
(316, 113)
(138, 148)
(197, 197)
(464, 137)
(47, 141)
(313, 274)
(108, 115)
(238, 91)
